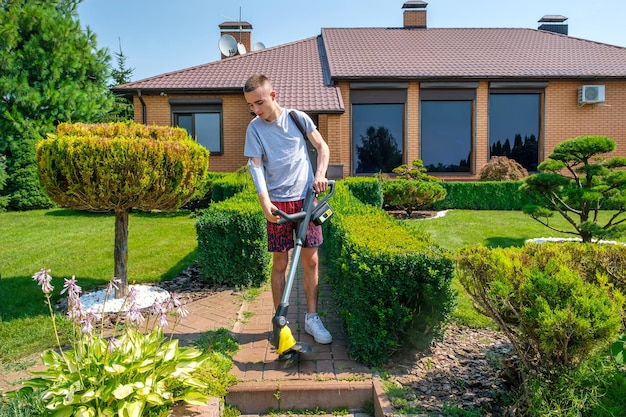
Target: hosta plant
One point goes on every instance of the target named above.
(128, 375)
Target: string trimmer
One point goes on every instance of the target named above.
(287, 347)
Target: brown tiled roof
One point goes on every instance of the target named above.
(304, 73)
(294, 68)
(373, 53)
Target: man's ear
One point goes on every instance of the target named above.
(273, 95)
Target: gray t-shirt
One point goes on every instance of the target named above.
(280, 144)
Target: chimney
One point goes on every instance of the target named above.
(415, 14)
(241, 31)
(553, 23)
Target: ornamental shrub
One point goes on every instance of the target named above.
(116, 167)
(232, 242)
(501, 168)
(553, 315)
(392, 285)
(411, 195)
(577, 182)
(367, 189)
(131, 373)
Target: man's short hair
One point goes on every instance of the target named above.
(256, 81)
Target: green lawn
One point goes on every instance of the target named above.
(160, 246)
(77, 243)
(490, 228)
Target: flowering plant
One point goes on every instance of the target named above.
(127, 376)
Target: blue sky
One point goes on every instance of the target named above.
(159, 36)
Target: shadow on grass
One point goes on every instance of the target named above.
(180, 266)
(153, 214)
(503, 242)
(22, 297)
(76, 213)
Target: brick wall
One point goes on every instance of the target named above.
(564, 119)
(414, 18)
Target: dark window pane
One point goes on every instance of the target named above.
(208, 131)
(446, 135)
(185, 121)
(514, 128)
(377, 137)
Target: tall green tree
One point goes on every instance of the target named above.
(51, 71)
(122, 106)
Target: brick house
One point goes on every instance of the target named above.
(452, 97)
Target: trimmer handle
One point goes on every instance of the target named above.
(296, 217)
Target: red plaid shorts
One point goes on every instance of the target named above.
(280, 237)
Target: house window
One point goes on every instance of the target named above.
(514, 120)
(377, 128)
(202, 119)
(446, 129)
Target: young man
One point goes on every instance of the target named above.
(280, 168)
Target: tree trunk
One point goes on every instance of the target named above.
(120, 254)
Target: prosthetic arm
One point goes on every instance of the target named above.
(255, 168)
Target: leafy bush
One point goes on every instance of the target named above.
(232, 242)
(411, 195)
(551, 314)
(128, 374)
(415, 172)
(203, 199)
(116, 167)
(501, 168)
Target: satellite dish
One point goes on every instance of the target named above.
(227, 45)
(241, 48)
(258, 46)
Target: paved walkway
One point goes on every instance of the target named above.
(263, 382)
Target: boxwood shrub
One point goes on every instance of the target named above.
(389, 282)
(482, 195)
(367, 190)
(232, 242)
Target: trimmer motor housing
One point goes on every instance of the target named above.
(321, 213)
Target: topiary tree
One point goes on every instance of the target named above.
(501, 168)
(412, 188)
(116, 167)
(576, 183)
(415, 171)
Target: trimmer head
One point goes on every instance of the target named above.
(292, 356)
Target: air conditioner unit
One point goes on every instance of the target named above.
(589, 94)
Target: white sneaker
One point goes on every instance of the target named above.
(314, 326)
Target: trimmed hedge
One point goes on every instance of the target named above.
(482, 195)
(229, 185)
(388, 280)
(232, 242)
(119, 166)
(368, 190)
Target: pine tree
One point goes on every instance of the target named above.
(50, 72)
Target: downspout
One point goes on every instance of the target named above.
(143, 107)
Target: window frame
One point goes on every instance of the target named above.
(528, 87)
(378, 94)
(198, 106)
(450, 91)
